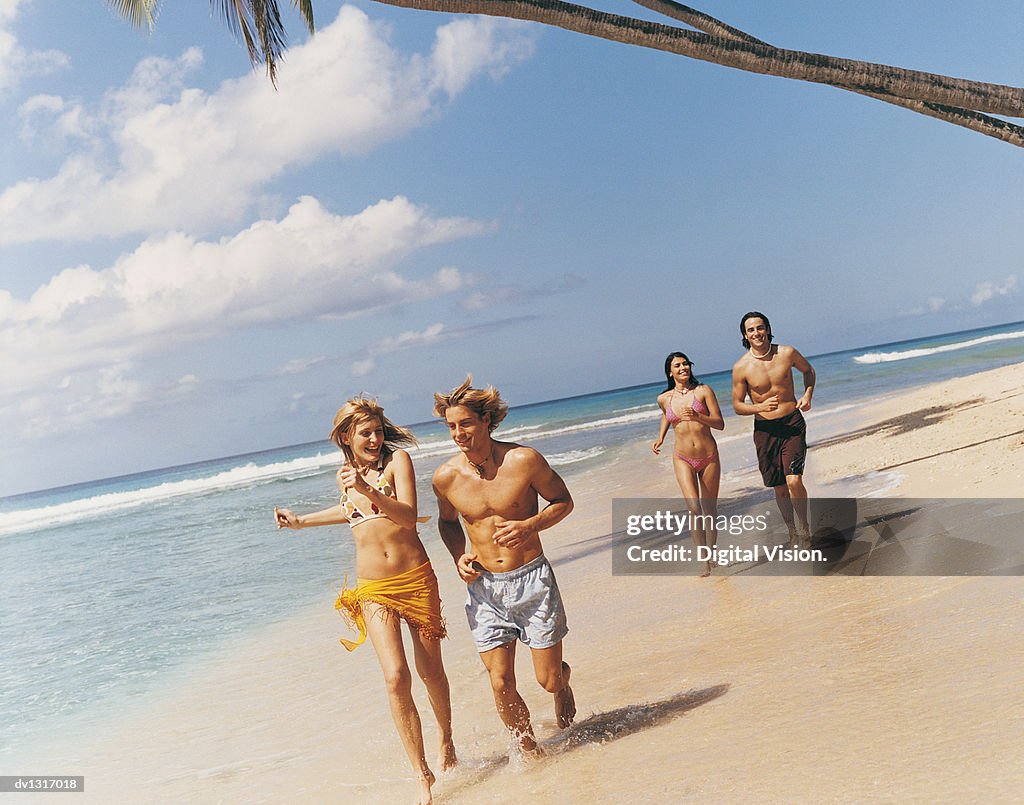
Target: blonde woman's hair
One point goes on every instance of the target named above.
(480, 401)
(360, 409)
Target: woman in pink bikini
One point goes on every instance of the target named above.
(691, 408)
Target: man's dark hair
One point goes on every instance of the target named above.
(753, 314)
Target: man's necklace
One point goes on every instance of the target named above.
(480, 467)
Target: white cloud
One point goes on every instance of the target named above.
(15, 61)
(85, 398)
(297, 366)
(364, 367)
(466, 47)
(519, 295)
(161, 155)
(174, 289)
(80, 400)
(933, 304)
(984, 291)
(410, 339)
(365, 362)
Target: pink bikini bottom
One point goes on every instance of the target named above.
(699, 464)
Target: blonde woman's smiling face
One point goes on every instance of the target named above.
(366, 440)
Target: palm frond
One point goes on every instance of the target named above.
(258, 24)
(305, 8)
(140, 13)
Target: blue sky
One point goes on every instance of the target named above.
(193, 265)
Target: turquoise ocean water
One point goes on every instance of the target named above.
(112, 587)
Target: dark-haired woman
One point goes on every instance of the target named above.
(691, 409)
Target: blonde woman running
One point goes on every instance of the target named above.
(395, 579)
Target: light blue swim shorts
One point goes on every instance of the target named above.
(521, 604)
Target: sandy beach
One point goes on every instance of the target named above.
(727, 689)
(963, 438)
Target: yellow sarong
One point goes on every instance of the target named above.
(412, 596)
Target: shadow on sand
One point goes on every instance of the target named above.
(603, 727)
(598, 728)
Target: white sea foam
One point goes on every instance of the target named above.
(535, 432)
(250, 474)
(606, 422)
(574, 456)
(652, 407)
(521, 429)
(100, 505)
(427, 449)
(886, 357)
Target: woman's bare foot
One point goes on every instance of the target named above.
(448, 759)
(707, 570)
(426, 781)
(565, 702)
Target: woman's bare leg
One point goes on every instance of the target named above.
(688, 482)
(710, 481)
(430, 667)
(386, 634)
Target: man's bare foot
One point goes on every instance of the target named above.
(527, 744)
(448, 759)
(565, 702)
(426, 781)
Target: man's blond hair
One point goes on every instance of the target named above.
(480, 401)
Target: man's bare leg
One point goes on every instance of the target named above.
(798, 497)
(785, 504)
(553, 675)
(500, 663)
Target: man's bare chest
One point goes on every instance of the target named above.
(480, 498)
(766, 376)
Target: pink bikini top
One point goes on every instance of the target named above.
(672, 417)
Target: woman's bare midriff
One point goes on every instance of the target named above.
(694, 440)
(385, 549)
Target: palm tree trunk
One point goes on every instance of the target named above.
(975, 121)
(877, 79)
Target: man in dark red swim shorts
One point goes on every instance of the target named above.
(765, 375)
